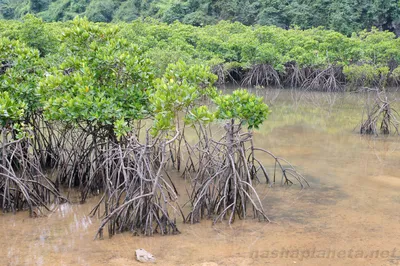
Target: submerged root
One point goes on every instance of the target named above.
(280, 166)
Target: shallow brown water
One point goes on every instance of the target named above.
(349, 216)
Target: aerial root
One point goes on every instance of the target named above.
(261, 75)
(23, 185)
(381, 117)
(223, 187)
(138, 196)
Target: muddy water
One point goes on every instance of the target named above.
(349, 216)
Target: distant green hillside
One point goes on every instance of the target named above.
(345, 16)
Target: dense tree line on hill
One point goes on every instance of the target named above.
(344, 16)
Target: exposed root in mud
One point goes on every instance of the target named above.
(139, 197)
(49, 141)
(261, 75)
(23, 185)
(294, 77)
(78, 157)
(329, 80)
(227, 74)
(221, 73)
(76, 161)
(381, 117)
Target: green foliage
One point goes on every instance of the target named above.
(121, 128)
(95, 75)
(11, 110)
(15, 52)
(198, 76)
(366, 75)
(38, 5)
(35, 35)
(100, 10)
(178, 90)
(200, 115)
(396, 74)
(228, 46)
(243, 106)
(163, 56)
(22, 69)
(62, 10)
(22, 131)
(102, 79)
(169, 98)
(128, 11)
(235, 46)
